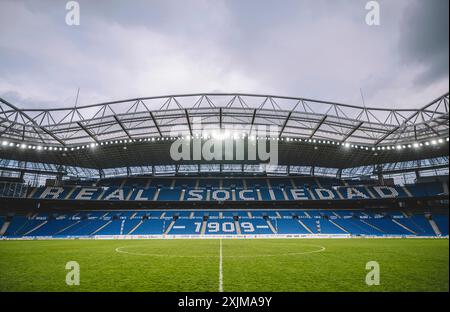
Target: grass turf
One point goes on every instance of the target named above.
(248, 265)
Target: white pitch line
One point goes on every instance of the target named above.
(220, 268)
(321, 248)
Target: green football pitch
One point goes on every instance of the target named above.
(228, 265)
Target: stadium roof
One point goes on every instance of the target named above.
(138, 131)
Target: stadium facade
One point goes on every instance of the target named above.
(107, 170)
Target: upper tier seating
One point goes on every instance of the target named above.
(207, 189)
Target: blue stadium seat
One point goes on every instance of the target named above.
(129, 225)
(357, 227)
(264, 213)
(112, 228)
(418, 223)
(185, 182)
(222, 222)
(442, 223)
(289, 226)
(160, 182)
(186, 227)
(136, 182)
(168, 194)
(232, 183)
(152, 227)
(209, 183)
(52, 227)
(388, 226)
(326, 227)
(220, 226)
(256, 183)
(254, 226)
(2, 221)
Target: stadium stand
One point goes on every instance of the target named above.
(336, 174)
(442, 223)
(212, 190)
(236, 222)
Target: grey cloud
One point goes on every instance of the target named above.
(313, 48)
(425, 39)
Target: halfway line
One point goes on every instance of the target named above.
(220, 268)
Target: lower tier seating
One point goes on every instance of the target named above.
(224, 222)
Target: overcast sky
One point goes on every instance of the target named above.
(320, 49)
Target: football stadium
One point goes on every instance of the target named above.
(224, 192)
